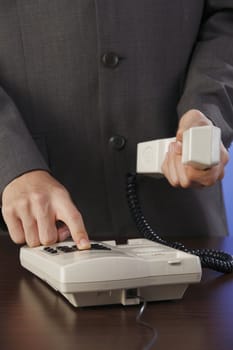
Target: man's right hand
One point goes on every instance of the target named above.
(33, 204)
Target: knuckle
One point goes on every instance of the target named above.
(185, 183)
(48, 240)
(32, 239)
(75, 216)
(174, 179)
(23, 204)
(48, 235)
(191, 175)
(39, 198)
(33, 243)
(176, 184)
(210, 182)
(61, 191)
(7, 211)
(18, 239)
(195, 177)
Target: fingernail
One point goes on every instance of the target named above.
(84, 244)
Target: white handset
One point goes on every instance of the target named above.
(200, 148)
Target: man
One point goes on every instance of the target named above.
(82, 83)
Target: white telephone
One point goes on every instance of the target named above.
(141, 269)
(112, 274)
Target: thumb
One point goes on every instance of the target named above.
(190, 119)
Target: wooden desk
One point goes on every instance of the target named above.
(33, 316)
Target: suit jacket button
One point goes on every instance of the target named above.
(117, 142)
(110, 60)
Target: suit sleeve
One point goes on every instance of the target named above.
(18, 151)
(209, 80)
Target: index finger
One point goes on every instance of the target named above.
(70, 215)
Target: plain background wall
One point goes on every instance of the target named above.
(228, 191)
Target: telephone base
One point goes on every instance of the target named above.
(113, 274)
(126, 297)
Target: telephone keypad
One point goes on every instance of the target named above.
(73, 248)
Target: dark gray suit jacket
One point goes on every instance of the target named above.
(63, 99)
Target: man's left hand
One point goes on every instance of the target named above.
(180, 175)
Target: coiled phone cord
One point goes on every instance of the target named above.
(210, 258)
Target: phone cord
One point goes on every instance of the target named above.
(210, 258)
